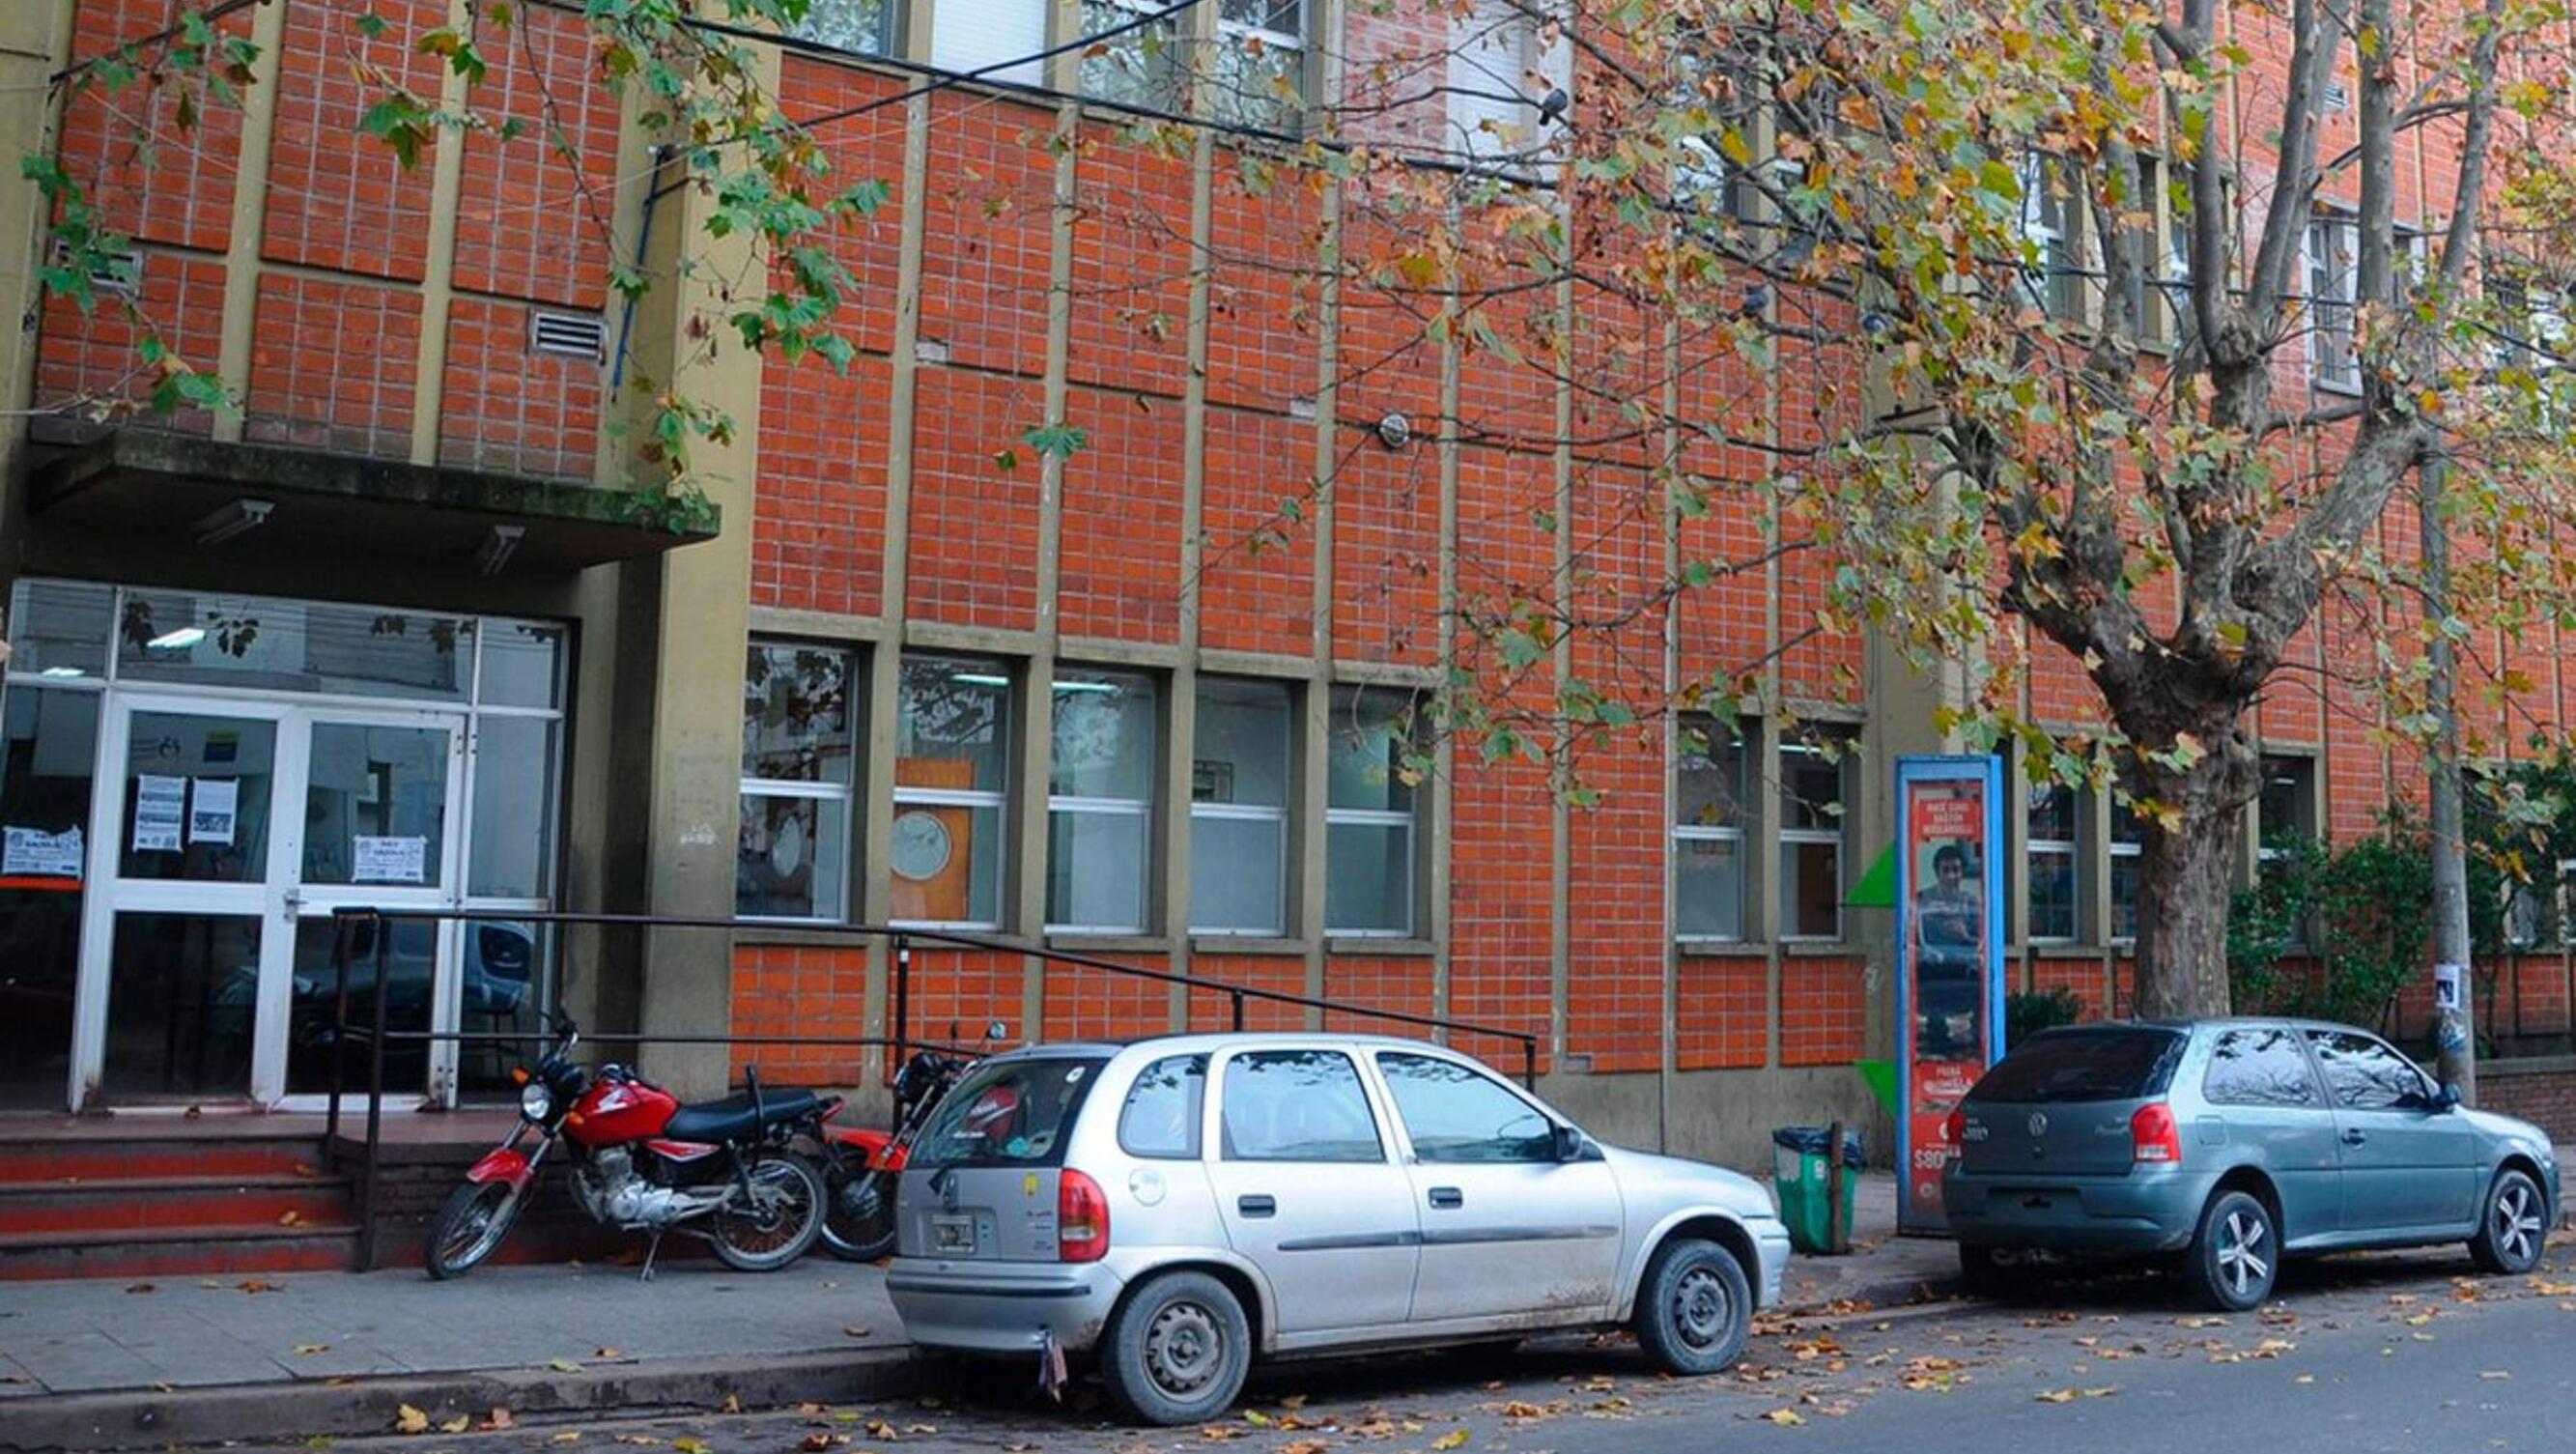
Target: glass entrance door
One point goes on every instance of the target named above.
(237, 827)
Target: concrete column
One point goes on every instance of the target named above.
(250, 214)
(35, 42)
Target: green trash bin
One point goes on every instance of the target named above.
(1800, 1174)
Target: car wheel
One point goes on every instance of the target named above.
(2236, 1255)
(2515, 1229)
(1983, 1271)
(1694, 1307)
(1177, 1350)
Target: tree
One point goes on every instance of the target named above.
(2041, 274)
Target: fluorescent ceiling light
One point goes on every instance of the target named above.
(978, 679)
(499, 543)
(179, 640)
(62, 671)
(1086, 686)
(244, 514)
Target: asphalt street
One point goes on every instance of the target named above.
(2358, 1356)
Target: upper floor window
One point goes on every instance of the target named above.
(791, 858)
(969, 36)
(1712, 163)
(2051, 222)
(1493, 59)
(1815, 789)
(1145, 66)
(1369, 815)
(1710, 806)
(862, 26)
(2286, 813)
(952, 778)
(1239, 776)
(2333, 252)
(1259, 75)
(1100, 803)
(2049, 822)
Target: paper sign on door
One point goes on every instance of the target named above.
(217, 805)
(35, 853)
(160, 811)
(389, 860)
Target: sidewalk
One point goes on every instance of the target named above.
(111, 1364)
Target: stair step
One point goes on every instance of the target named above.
(205, 1204)
(172, 1252)
(155, 1158)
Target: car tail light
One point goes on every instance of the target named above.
(2154, 1135)
(1954, 1127)
(1081, 1219)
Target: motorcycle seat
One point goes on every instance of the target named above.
(733, 1118)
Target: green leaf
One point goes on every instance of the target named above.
(370, 24)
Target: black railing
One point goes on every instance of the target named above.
(901, 1042)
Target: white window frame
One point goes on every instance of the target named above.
(1082, 805)
(887, 41)
(2065, 848)
(843, 793)
(1462, 133)
(1748, 743)
(1839, 836)
(2055, 245)
(2332, 290)
(1231, 35)
(1274, 814)
(1406, 820)
(998, 799)
(1176, 39)
(2120, 848)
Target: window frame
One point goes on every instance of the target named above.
(2051, 222)
(1070, 680)
(1281, 814)
(1790, 837)
(1226, 1151)
(2332, 291)
(2132, 848)
(1196, 1121)
(816, 790)
(998, 800)
(1345, 704)
(888, 41)
(2070, 849)
(2319, 1095)
(1413, 1147)
(1747, 737)
(2427, 1094)
(1232, 34)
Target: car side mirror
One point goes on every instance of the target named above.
(1568, 1143)
(2447, 1098)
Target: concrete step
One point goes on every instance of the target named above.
(105, 1209)
(178, 1252)
(36, 1158)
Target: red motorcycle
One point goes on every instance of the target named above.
(723, 1170)
(862, 1165)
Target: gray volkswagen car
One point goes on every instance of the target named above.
(1175, 1208)
(2229, 1144)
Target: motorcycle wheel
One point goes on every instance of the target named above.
(858, 1210)
(470, 1226)
(785, 1217)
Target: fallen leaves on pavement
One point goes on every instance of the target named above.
(409, 1420)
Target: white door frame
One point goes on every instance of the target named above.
(279, 899)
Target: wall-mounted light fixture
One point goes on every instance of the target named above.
(499, 543)
(241, 516)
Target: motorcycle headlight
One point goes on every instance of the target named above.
(535, 1101)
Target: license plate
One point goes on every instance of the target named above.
(952, 1234)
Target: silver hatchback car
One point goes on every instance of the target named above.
(1173, 1208)
(2227, 1145)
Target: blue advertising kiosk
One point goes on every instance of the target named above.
(1949, 960)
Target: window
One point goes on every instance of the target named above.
(2128, 848)
(1162, 1116)
(1721, 96)
(2286, 813)
(2365, 1075)
(2260, 1068)
(1455, 1114)
(791, 856)
(2333, 249)
(1012, 1114)
(48, 750)
(1814, 782)
(1100, 803)
(1297, 1105)
(1368, 817)
(2051, 225)
(2159, 253)
(862, 26)
(1259, 76)
(1708, 831)
(967, 36)
(1239, 774)
(1493, 55)
(2048, 818)
(951, 791)
(2120, 1063)
(1144, 67)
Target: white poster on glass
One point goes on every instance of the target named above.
(389, 860)
(217, 804)
(160, 812)
(35, 853)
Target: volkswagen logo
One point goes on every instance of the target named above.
(2038, 1123)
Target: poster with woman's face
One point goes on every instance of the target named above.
(1948, 1037)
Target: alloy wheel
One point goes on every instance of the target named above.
(2242, 1261)
(1184, 1349)
(1703, 1310)
(2517, 1222)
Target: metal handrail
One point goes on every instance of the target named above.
(901, 1042)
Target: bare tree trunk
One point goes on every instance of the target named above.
(2187, 876)
(2455, 1033)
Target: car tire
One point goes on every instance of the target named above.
(1983, 1271)
(2236, 1256)
(1177, 1349)
(1694, 1308)
(2514, 1228)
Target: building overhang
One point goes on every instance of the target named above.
(257, 499)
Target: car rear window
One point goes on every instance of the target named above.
(2084, 1065)
(1009, 1113)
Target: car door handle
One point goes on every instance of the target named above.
(2354, 1136)
(1257, 1206)
(1447, 1198)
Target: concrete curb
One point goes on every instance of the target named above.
(153, 1418)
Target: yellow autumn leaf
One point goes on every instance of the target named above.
(690, 1446)
(2057, 1396)
(1454, 1439)
(409, 1420)
(1785, 1417)
(457, 1425)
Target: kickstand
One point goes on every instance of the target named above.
(650, 1249)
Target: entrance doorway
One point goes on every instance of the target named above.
(233, 828)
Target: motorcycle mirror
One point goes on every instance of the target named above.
(998, 1030)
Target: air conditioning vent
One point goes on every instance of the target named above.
(2337, 98)
(573, 335)
(110, 272)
